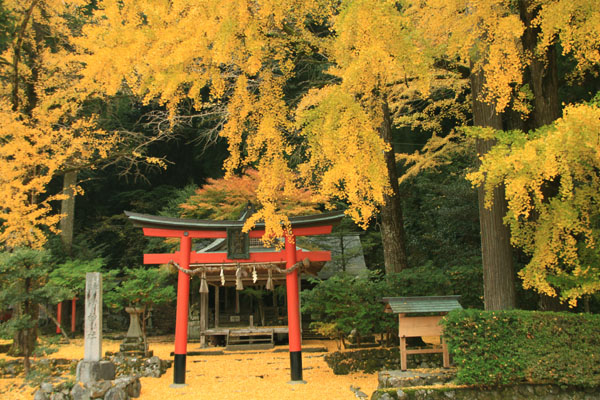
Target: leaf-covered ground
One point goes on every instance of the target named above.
(248, 375)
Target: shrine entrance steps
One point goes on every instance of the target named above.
(250, 339)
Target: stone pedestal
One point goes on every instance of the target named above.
(89, 372)
(134, 342)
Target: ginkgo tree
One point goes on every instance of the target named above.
(374, 53)
(235, 63)
(511, 49)
(40, 130)
(40, 133)
(239, 63)
(553, 192)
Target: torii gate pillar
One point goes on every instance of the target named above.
(293, 306)
(181, 317)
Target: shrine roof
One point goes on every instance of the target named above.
(154, 221)
(421, 304)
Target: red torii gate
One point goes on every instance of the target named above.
(188, 229)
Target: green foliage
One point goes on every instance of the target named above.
(441, 215)
(350, 302)
(344, 303)
(173, 206)
(507, 347)
(23, 274)
(19, 268)
(427, 280)
(6, 29)
(141, 287)
(67, 280)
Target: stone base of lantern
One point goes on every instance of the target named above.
(135, 346)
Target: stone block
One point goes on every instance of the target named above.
(40, 395)
(116, 394)
(89, 372)
(130, 384)
(99, 389)
(46, 387)
(78, 392)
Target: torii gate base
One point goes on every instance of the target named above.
(188, 229)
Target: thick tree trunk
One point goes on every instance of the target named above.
(498, 270)
(542, 77)
(68, 210)
(541, 74)
(393, 236)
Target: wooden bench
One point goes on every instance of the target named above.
(417, 325)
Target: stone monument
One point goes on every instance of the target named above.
(92, 368)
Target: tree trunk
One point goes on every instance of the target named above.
(496, 251)
(393, 236)
(24, 339)
(541, 74)
(68, 211)
(542, 77)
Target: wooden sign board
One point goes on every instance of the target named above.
(238, 244)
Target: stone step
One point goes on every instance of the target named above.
(421, 377)
(249, 346)
(250, 339)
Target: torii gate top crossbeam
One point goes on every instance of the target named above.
(198, 228)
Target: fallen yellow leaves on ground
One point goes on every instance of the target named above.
(248, 375)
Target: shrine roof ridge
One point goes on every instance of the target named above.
(155, 221)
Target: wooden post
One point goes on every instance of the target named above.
(402, 344)
(181, 318)
(293, 308)
(403, 353)
(237, 302)
(217, 306)
(73, 313)
(203, 318)
(58, 316)
(445, 355)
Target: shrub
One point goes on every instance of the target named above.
(508, 347)
(345, 303)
